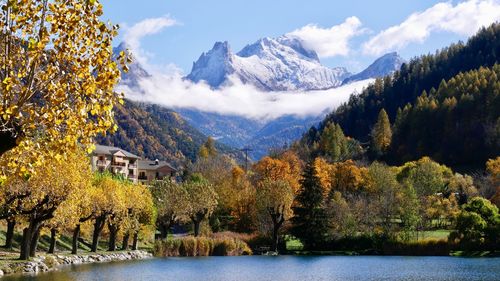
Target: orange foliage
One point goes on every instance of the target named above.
(286, 168)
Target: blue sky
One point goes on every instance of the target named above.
(200, 23)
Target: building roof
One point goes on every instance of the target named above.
(152, 165)
(111, 150)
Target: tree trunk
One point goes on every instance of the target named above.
(74, 244)
(98, 225)
(9, 236)
(113, 231)
(52, 247)
(8, 141)
(275, 237)
(29, 234)
(163, 232)
(34, 242)
(135, 242)
(196, 224)
(25, 243)
(126, 237)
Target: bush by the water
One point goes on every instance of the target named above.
(201, 246)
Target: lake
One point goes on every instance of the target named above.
(289, 268)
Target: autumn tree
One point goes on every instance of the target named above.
(243, 203)
(171, 203)
(309, 222)
(43, 193)
(381, 134)
(57, 79)
(208, 149)
(108, 206)
(202, 201)
(67, 214)
(274, 199)
(139, 214)
(347, 177)
(274, 169)
(493, 169)
(82, 209)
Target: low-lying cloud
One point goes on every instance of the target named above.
(238, 99)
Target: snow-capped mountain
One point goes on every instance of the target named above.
(381, 67)
(271, 64)
(135, 72)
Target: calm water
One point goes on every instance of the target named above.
(287, 268)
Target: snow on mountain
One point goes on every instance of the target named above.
(280, 64)
(135, 73)
(381, 67)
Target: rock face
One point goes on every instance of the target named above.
(52, 262)
(270, 64)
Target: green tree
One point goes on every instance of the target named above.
(477, 224)
(170, 200)
(386, 199)
(333, 143)
(410, 212)
(309, 222)
(426, 176)
(381, 134)
(202, 201)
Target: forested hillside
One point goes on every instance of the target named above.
(155, 132)
(450, 115)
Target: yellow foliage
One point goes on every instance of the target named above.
(58, 77)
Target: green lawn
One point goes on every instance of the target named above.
(434, 234)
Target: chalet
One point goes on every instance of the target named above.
(155, 170)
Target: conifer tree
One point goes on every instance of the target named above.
(381, 134)
(309, 223)
(334, 143)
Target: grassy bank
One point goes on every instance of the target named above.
(426, 243)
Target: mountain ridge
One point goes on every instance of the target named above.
(280, 64)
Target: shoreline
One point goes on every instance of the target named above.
(52, 262)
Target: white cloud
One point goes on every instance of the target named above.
(464, 18)
(329, 42)
(239, 99)
(134, 34)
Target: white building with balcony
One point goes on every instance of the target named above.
(115, 160)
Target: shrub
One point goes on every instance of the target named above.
(201, 246)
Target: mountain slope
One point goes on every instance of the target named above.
(280, 64)
(417, 78)
(154, 132)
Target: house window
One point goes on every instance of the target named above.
(131, 172)
(142, 176)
